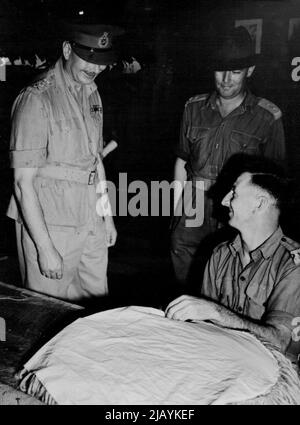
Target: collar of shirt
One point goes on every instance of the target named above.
(248, 103)
(64, 80)
(266, 249)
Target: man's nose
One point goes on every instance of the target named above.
(226, 76)
(226, 200)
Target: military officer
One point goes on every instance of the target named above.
(214, 127)
(252, 282)
(56, 152)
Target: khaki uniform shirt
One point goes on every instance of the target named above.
(207, 140)
(51, 126)
(267, 289)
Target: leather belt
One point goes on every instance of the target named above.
(68, 173)
(207, 182)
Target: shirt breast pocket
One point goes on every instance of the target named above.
(198, 141)
(197, 134)
(256, 297)
(96, 116)
(245, 142)
(254, 308)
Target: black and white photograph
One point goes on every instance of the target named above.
(149, 206)
(254, 27)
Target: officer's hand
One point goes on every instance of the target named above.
(50, 263)
(111, 232)
(191, 308)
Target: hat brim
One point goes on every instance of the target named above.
(107, 57)
(234, 64)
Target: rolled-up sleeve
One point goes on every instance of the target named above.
(283, 305)
(275, 143)
(209, 287)
(182, 149)
(28, 141)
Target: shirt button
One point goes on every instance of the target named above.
(243, 278)
(283, 239)
(240, 309)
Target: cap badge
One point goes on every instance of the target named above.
(103, 40)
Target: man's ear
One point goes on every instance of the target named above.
(262, 203)
(67, 49)
(250, 71)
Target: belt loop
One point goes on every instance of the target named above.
(91, 177)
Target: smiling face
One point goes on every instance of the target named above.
(242, 201)
(80, 71)
(231, 84)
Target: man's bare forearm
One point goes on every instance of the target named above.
(49, 259)
(31, 212)
(180, 177)
(278, 336)
(196, 309)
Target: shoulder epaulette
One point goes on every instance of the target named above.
(293, 248)
(197, 98)
(271, 107)
(43, 83)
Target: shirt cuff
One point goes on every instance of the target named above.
(182, 154)
(27, 158)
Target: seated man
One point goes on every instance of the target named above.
(253, 282)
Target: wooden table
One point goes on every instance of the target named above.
(31, 319)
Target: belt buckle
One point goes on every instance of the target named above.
(91, 177)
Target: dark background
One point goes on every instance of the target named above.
(172, 40)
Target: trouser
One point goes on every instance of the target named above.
(84, 256)
(185, 242)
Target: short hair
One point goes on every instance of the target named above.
(270, 177)
(280, 187)
(276, 186)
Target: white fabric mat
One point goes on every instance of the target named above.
(135, 355)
